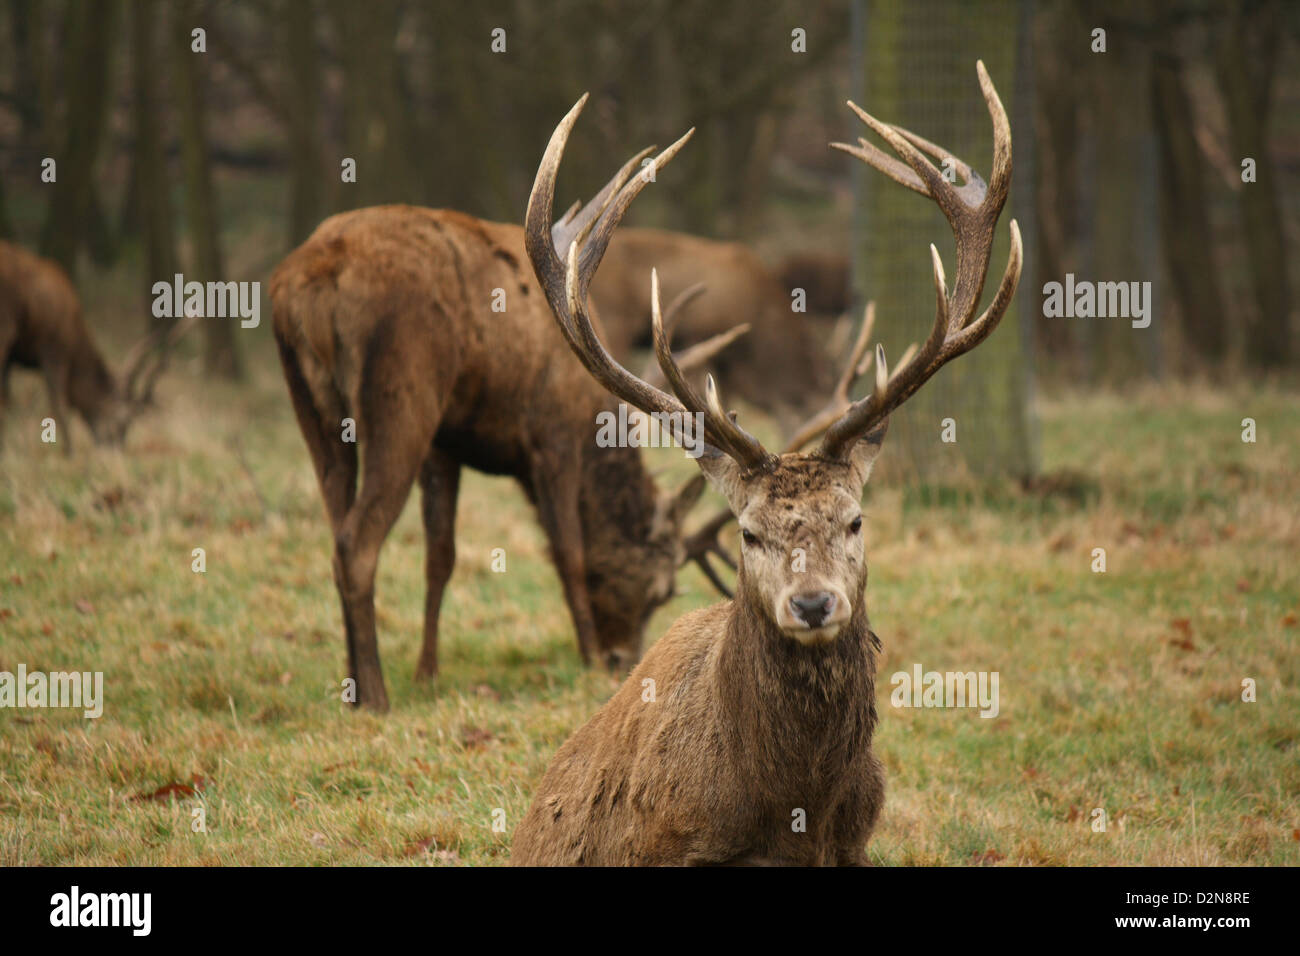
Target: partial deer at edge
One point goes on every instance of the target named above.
(759, 711)
(42, 328)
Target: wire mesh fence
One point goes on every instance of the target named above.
(918, 58)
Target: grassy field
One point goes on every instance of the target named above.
(1120, 691)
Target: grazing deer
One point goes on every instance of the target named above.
(42, 327)
(753, 716)
(776, 367)
(385, 316)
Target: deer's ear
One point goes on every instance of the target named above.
(863, 454)
(724, 475)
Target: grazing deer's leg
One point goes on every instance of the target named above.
(356, 558)
(320, 418)
(439, 484)
(398, 417)
(558, 508)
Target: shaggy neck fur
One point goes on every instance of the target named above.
(798, 710)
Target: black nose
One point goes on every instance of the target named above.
(813, 608)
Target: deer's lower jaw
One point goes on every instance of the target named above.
(813, 636)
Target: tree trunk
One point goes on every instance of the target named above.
(377, 116)
(1245, 58)
(1184, 219)
(1056, 193)
(928, 84)
(153, 192)
(306, 203)
(87, 79)
(220, 349)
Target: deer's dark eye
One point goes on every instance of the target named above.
(855, 525)
(748, 537)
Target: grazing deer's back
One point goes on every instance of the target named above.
(738, 287)
(778, 366)
(425, 282)
(37, 295)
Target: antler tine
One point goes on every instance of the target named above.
(574, 225)
(597, 239)
(972, 211)
(720, 428)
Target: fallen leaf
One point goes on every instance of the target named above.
(1243, 586)
(167, 791)
(1289, 620)
(84, 606)
(419, 847)
(318, 840)
(1182, 624)
(988, 856)
(6, 612)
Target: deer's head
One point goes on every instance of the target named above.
(633, 553)
(802, 559)
(113, 403)
(802, 555)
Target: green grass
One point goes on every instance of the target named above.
(1119, 691)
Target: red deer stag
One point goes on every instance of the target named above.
(384, 316)
(756, 714)
(42, 327)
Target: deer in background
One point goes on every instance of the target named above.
(758, 711)
(384, 316)
(42, 327)
(778, 367)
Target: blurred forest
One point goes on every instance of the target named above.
(1128, 161)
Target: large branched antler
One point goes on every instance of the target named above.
(587, 232)
(972, 211)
